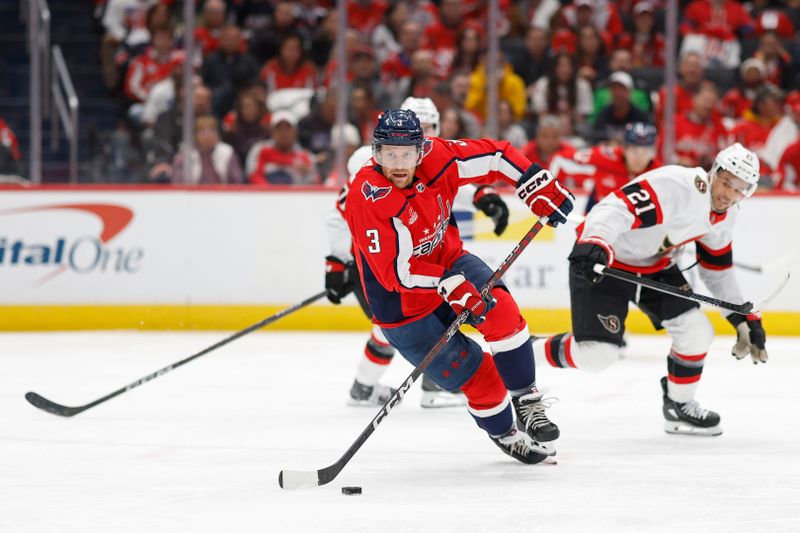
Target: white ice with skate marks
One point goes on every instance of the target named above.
(200, 449)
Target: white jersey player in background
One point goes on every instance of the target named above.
(341, 276)
(641, 228)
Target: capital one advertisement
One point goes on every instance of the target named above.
(176, 247)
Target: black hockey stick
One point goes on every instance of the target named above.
(303, 479)
(743, 309)
(62, 410)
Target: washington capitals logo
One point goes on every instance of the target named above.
(373, 193)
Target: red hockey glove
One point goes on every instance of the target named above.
(544, 195)
(750, 337)
(338, 279)
(490, 204)
(461, 294)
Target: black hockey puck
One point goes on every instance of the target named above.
(351, 490)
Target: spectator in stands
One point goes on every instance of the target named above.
(690, 71)
(699, 133)
(601, 14)
(211, 160)
(266, 43)
(509, 130)
(155, 64)
(363, 112)
(590, 55)
(510, 87)
(423, 12)
(621, 60)
(228, 70)
(123, 21)
(712, 27)
(310, 14)
(248, 128)
(323, 39)
(561, 92)
(398, 65)
(468, 51)
(548, 143)
(290, 69)
(776, 59)
(422, 82)
(348, 137)
(535, 61)
(756, 130)
(161, 97)
(207, 34)
(161, 143)
(314, 130)
(612, 120)
(9, 151)
(281, 161)
(767, 18)
(385, 38)
(645, 43)
(541, 12)
(365, 15)
(453, 126)
(458, 90)
(442, 36)
(740, 99)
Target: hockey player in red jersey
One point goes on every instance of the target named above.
(341, 276)
(641, 228)
(417, 277)
(610, 167)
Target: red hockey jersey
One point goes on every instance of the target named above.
(406, 239)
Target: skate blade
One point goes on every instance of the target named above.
(550, 460)
(364, 403)
(544, 449)
(438, 400)
(681, 428)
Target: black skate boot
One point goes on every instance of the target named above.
(688, 418)
(519, 445)
(433, 396)
(369, 395)
(531, 417)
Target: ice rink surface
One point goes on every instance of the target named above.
(200, 448)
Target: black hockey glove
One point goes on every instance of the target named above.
(584, 257)
(490, 204)
(338, 279)
(750, 337)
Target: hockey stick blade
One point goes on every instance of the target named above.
(51, 407)
(742, 309)
(303, 479)
(44, 404)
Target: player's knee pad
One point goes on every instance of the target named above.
(691, 332)
(504, 320)
(593, 356)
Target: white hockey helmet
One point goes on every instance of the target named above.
(740, 162)
(425, 110)
(359, 158)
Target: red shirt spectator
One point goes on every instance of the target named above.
(364, 15)
(645, 44)
(601, 14)
(699, 133)
(740, 99)
(774, 20)
(691, 74)
(151, 66)
(281, 161)
(290, 70)
(207, 35)
(789, 169)
(9, 140)
(720, 19)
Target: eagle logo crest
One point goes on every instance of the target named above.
(373, 193)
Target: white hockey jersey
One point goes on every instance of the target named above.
(644, 225)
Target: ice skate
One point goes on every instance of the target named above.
(531, 417)
(521, 447)
(433, 396)
(369, 395)
(688, 418)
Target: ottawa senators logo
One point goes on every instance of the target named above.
(373, 193)
(700, 184)
(611, 322)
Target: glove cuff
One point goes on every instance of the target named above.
(334, 264)
(450, 282)
(735, 319)
(597, 241)
(482, 192)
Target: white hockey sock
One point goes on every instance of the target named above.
(378, 354)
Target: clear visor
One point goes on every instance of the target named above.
(741, 187)
(397, 156)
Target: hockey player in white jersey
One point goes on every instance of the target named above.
(641, 228)
(341, 276)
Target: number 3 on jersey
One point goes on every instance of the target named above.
(374, 243)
